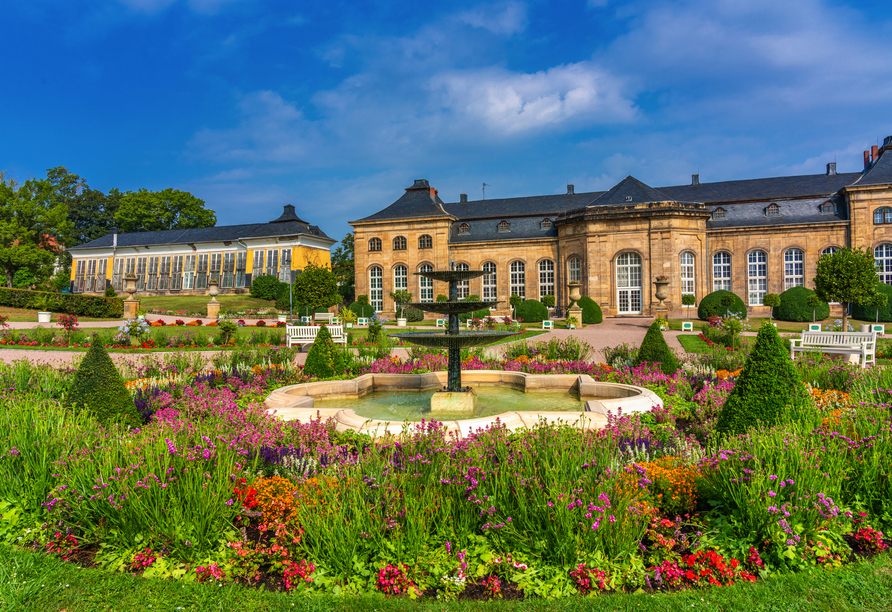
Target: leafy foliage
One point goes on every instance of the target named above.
(99, 388)
(712, 305)
(76, 304)
(769, 382)
(265, 287)
(343, 264)
(324, 359)
(316, 287)
(848, 276)
(413, 315)
(532, 311)
(591, 312)
(361, 309)
(794, 306)
(548, 300)
(655, 350)
(146, 211)
(868, 312)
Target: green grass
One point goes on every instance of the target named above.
(693, 344)
(32, 581)
(198, 303)
(782, 326)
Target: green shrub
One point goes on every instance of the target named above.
(591, 312)
(532, 311)
(99, 388)
(442, 298)
(324, 359)
(306, 311)
(362, 310)
(413, 315)
(66, 303)
(869, 313)
(266, 287)
(110, 292)
(548, 300)
(794, 306)
(477, 314)
(655, 350)
(769, 382)
(712, 305)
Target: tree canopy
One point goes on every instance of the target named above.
(146, 211)
(343, 266)
(848, 276)
(316, 287)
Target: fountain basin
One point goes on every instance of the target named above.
(596, 400)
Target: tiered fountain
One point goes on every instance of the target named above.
(454, 397)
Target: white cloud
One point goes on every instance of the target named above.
(504, 18)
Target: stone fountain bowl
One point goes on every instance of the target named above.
(451, 275)
(451, 307)
(440, 339)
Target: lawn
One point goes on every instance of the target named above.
(198, 303)
(23, 315)
(756, 323)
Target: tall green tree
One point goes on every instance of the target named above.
(848, 276)
(343, 264)
(146, 211)
(316, 287)
(33, 228)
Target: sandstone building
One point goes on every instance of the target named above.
(750, 236)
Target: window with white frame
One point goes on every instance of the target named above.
(830, 251)
(574, 270)
(757, 277)
(400, 278)
(464, 287)
(226, 279)
(80, 271)
(140, 273)
(201, 272)
(164, 273)
(258, 263)
(375, 244)
(240, 268)
(285, 268)
(152, 276)
(721, 271)
(189, 272)
(426, 285)
(794, 274)
(272, 262)
(118, 274)
(518, 279)
(214, 266)
(546, 278)
(425, 242)
(628, 283)
(688, 286)
(399, 243)
(376, 288)
(489, 281)
(176, 272)
(883, 257)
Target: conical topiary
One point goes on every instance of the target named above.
(769, 382)
(324, 359)
(98, 387)
(655, 350)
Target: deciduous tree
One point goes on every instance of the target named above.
(145, 211)
(316, 287)
(848, 276)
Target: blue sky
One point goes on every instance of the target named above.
(336, 106)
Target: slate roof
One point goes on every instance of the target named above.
(630, 191)
(792, 212)
(764, 189)
(544, 205)
(521, 228)
(418, 201)
(222, 233)
(880, 173)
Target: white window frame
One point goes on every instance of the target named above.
(518, 279)
(425, 285)
(721, 271)
(546, 278)
(189, 272)
(574, 269)
(464, 287)
(376, 288)
(490, 281)
(794, 268)
(628, 284)
(756, 276)
(688, 274)
(400, 279)
(882, 254)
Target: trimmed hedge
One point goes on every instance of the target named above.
(324, 359)
(65, 303)
(266, 287)
(532, 311)
(793, 306)
(768, 384)
(711, 305)
(654, 350)
(413, 315)
(591, 312)
(99, 388)
(362, 310)
(869, 313)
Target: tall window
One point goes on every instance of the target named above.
(118, 274)
(240, 266)
(489, 281)
(721, 271)
(216, 263)
(399, 243)
(189, 272)
(376, 289)
(518, 279)
(883, 256)
(258, 263)
(285, 268)
(140, 273)
(829, 251)
(426, 285)
(464, 287)
(425, 242)
(164, 273)
(272, 262)
(794, 275)
(152, 276)
(882, 215)
(628, 283)
(176, 273)
(546, 278)
(400, 278)
(80, 271)
(226, 279)
(687, 274)
(375, 244)
(201, 273)
(757, 276)
(574, 270)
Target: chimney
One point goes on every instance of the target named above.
(571, 190)
(463, 198)
(695, 179)
(831, 169)
(873, 152)
(866, 158)
(114, 232)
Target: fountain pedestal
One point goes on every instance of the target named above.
(454, 401)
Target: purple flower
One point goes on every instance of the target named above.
(771, 494)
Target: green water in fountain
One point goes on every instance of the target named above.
(416, 405)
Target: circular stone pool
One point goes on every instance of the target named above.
(491, 401)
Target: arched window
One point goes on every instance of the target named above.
(828, 207)
(757, 276)
(794, 275)
(504, 226)
(425, 242)
(882, 215)
(628, 283)
(546, 224)
(721, 271)
(426, 285)
(718, 213)
(883, 256)
(829, 251)
(376, 288)
(464, 287)
(546, 278)
(518, 279)
(464, 228)
(489, 281)
(574, 269)
(772, 210)
(687, 274)
(375, 244)
(399, 243)
(400, 278)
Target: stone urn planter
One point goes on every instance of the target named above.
(574, 291)
(44, 317)
(401, 322)
(662, 291)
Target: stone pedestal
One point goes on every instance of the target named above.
(131, 307)
(575, 311)
(214, 310)
(454, 401)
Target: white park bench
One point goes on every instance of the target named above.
(324, 317)
(362, 320)
(300, 334)
(843, 343)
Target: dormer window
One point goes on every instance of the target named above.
(772, 210)
(828, 208)
(546, 224)
(718, 213)
(464, 228)
(504, 226)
